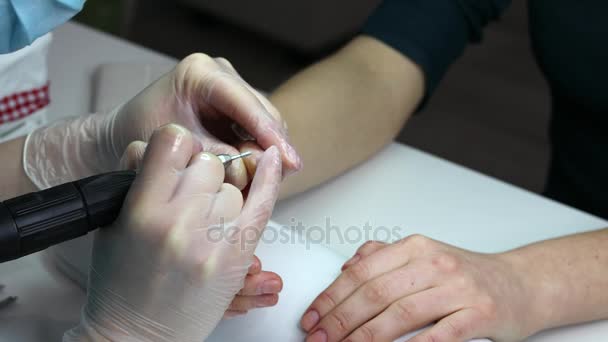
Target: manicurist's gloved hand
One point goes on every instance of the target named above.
(170, 265)
(203, 94)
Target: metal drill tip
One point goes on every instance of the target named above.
(242, 155)
(227, 159)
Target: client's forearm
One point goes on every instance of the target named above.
(346, 107)
(13, 180)
(568, 278)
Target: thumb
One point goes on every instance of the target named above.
(261, 199)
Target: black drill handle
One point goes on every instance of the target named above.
(35, 221)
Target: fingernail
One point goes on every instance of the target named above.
(269, 287)
(318, 336)
(177, 131)
(206, 156)
(174, 128)
(351, 261)
(293, 156)
(254, 268)
(310, 319)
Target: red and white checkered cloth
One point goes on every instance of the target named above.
(24, 103)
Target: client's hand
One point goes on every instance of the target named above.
(170, 265)
(388, 290)
(261, 289)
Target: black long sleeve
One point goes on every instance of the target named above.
(433, 33)
(569, 39)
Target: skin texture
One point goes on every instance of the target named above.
(388, 290)
(345, 108)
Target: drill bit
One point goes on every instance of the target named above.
(227, 159)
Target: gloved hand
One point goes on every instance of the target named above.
(168, 268)
(203, 94)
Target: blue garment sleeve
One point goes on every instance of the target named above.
(432, 33)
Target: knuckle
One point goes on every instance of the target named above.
(446, 263)
(326, 298)
(364, 334)
(358, 273)
(431, 337)
(404, 311)
(224, 61)
(417, 241)
(192, 70)
(239, 305)
(455, 331)
(368, 246)
(197, 59)
(340, 320)
(376, 292)
(488, 306)
(463, 283)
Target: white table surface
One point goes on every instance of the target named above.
(400, 187)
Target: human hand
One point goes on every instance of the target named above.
(261, 288)
(388, 290)
(205, 95)
(161, 272)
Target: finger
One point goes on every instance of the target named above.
(269, 107)
(364, 270)
(230, 96)
(232, 314)
(228, 67)
(457, 327)
(262, 283)
(251, 161)
(227, 205)
(261, 199)
(203, 176)
(133, 156)
(408, 314)
(245, 303)
(167, 155)
(256, 266)
(372, 298)
(366, 249)
(236, 173)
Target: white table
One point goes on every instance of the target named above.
(400, 187)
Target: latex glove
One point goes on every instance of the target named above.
(261, 288)
(162, 272)
(203, 94)
(388, 290)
